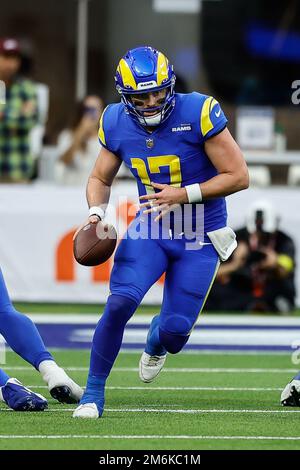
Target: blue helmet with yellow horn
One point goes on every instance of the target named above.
(143, 70)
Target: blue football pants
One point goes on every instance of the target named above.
(138, 265)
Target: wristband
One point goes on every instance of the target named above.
(194, 193)
(96, 210)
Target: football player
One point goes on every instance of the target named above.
(184, 159)
(22, 336)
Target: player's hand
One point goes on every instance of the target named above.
(164, 201)
(271, 259)
(86, 126)
(240, 255)
(93, 219)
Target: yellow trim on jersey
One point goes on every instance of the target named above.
(205, 122)
(213, 103)
(126, 74)
(207, 294)
(162, 68)
(285, 262)
(101, 133)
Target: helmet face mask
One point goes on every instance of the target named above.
(150, 115)
(142, 71)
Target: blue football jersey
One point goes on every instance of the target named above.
(174, 152)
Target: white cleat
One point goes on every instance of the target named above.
(150, 367)
(291, 394)
(86, 411)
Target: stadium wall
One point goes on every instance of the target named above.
(38, 222)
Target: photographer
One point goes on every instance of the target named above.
(259, 276)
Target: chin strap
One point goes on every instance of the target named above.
(152, 120)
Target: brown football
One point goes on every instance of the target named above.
(94, 244)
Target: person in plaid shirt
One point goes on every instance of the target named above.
(18, 116)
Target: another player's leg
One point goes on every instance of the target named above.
(188, 282)
(18, 397)
(3, 377)
(290, 396)
(135, 270)
(61, 387)
(23, 337)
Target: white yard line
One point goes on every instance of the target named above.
(211, 319)
(174, 369)
(197, 352)
(153, 410)
(148, 410)
(154, 436)
(214, 389)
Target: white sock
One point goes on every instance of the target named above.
(47, 368)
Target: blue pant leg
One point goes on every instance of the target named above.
(19, 331)
(188, 282)
(137, 266)
(3, 378)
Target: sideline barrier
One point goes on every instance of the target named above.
(246, 333)
(38, 222)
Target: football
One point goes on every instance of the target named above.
(94, 244)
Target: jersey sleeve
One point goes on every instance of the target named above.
(212, 118)
(104, 133)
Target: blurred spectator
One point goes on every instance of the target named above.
(78, 146)
(17, 116)
(259, 276)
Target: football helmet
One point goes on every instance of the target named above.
(143, 70)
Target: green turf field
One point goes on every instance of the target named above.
(38, 307)
(27, 307)
(190, 406)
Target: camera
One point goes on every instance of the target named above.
(256, 256)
